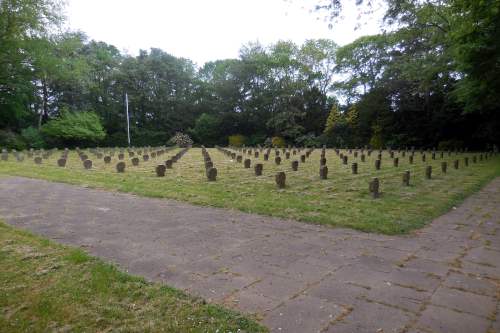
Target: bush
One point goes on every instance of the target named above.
(206, 129)
(80, 128)
(33, 138)
(278, 141)
(116, 139)
(308, 140)
(145, 137)
(181, 140)
(237, 140)
(376, 141)
(256, 139)
(450, 145)
(11, 140)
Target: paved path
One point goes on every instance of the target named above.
(295, 277)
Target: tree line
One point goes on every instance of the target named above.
(432, 80)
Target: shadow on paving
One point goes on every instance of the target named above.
(296, 277)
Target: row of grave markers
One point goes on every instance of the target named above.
(374, 184)
(280, 177)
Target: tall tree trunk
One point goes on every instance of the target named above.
(45, 98)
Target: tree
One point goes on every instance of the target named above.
(475, 43)
(333, 120)
(74, 128)
(21, 23)
(206, 130)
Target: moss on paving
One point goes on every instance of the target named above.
(47, 287)
(342, 200)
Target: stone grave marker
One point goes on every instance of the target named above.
(160, 170)
(61, 162)
(406, 178)
(212, 174)
(258, 169)
(280, 179)
(87, 164)
(323, 172)
(374, 187)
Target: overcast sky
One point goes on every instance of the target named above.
(204, 30)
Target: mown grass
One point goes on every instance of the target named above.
(342, 200)
(45, 287)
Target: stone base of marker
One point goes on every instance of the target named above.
(277, 160)
(395, 162)
(168, 164)
(377, 164)
(374, 187)
(38, 160)
(295, 165)
(120, 167)
(302, 158)
(135, 161)
(354, 168)
(212, 174)
(323, 172)
(444, 167)
(160, 170)
(280, 179)
(456, 164)
(266, 157)
(247, 163)
(107, 159)
(258, 169)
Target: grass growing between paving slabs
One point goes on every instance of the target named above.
(342, 200)
(48, 287)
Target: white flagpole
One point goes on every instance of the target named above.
(128, 120)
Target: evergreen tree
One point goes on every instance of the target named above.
(334, 119)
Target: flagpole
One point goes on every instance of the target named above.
(128, 119)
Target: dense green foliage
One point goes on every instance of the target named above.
(432, 80)
(75, 127)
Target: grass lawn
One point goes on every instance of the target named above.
(342, 200)
(46, 287)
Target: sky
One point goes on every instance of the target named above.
(203, 30)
